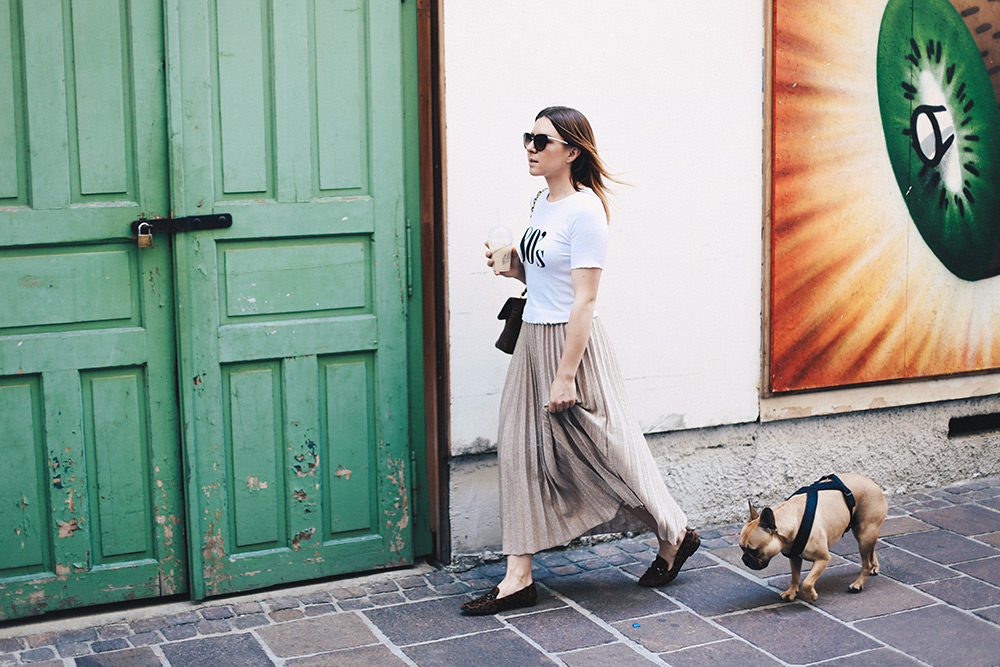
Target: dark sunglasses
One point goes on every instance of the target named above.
(541, 140)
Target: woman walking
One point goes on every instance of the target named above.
(571, 453)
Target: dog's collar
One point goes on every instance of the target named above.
(828, 483)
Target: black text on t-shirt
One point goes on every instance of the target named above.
(529, 252)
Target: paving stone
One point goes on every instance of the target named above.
(277, 604)
(354, 605)
(991, 614)
(730, 652)
(561, 630)
(880, 596)
(564, 570)
(114, 631)
(439, 578)
(106, 645)
(73, 649)
(634, 547)
(174, 633)
(212, 627)
(671, 631)
(145, 638)
(618, 654)
(555, 561)
(348, 593)
(84, 635)
(283, 615)
(321, 597)
(718, 590)
(148, 624)
(503, 647)
(577, 555)
(454, 588)
(427, 621)
(963, 519)
(320, 609)
(9, 645)
(416, 594)
(796, 633)
(248, 608)
(941, 546)
(364, 656)
(317, 635)
(182, 619)
(992, 539)
(994, 503)
(37, 655)
(611, 595)
(987, 570)
(241, 649)
(620, 558)
(216, 613)
(411, 582)
(592, 564)
(964, 592)
(938, 635)
(900, 525)
(249, 621)
(909, 568)
(386, 586)
(133, 657)
(882, 657)
(384, 599)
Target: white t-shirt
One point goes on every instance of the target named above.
(571, 233)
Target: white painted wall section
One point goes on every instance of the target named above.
(675, 97)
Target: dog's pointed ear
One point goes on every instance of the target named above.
(753, 512)
(767, 520)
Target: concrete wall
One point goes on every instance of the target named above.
(675, 98)
(712, 472)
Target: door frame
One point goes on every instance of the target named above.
(433, 272)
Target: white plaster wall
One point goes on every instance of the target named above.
(675, 98)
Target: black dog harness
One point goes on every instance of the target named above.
(828, 483)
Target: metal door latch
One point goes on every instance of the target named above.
(191, 223)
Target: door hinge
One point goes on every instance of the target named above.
(414, 483)
(191, 223)
(409, 260)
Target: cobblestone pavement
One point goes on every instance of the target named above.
(937, 602)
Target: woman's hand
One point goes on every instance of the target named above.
(562, 394)
(516, 267)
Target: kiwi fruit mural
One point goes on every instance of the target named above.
(884, 234)
(942, 128)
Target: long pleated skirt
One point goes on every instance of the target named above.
(565, 473)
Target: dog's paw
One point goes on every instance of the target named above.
(789, 595)
(854, 588)
(809, 594)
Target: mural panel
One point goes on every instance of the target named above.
(885, 233)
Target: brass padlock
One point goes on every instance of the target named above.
(145, 238)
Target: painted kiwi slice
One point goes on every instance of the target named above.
(942, 132)
(982, 18)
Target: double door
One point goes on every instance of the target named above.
(222, 409)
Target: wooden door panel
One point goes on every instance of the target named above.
(294, 335)
(87, 367)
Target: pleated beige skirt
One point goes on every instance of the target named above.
(565, 473)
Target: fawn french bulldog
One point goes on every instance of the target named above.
(774, 531)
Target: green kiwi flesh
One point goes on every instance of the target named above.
(942, 132)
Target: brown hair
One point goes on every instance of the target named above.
(587, 169)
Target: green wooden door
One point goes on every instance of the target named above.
(288, 115)
(90, 481)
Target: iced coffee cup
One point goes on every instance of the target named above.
(501, 243)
